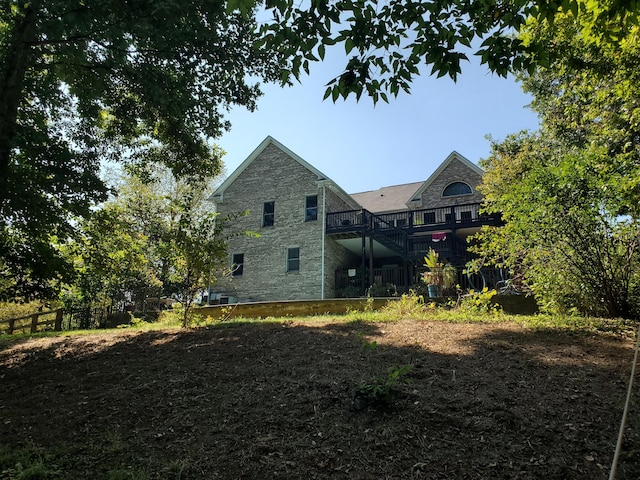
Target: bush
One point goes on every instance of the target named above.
(409, 305)
(479, 301)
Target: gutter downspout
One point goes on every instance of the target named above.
(324, 226)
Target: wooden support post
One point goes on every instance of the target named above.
(57, 326)
(406, 275)
(371, 277)
(364, 264)
(34, 323)
(12, 324)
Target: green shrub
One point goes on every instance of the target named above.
(175, 318)
(28, 463)
(381, 392)
(409, 305)
(479, 302)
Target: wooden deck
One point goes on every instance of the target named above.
(411, 234)
(413, 221)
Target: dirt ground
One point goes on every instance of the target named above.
(276, 401)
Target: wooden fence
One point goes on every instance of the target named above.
(33, 322)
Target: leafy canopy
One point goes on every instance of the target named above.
(157, 238)
(389, 42)
(570, 193)
(85, 82)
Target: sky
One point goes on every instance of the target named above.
(362, 147)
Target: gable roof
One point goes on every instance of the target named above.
(453, 156)
(398, 197)
(387, 199)
(269, 140)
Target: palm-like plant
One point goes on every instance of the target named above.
(441, 274)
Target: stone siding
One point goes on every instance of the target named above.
(335, 203)
(274, 176)
(336, 256)
(456, 171)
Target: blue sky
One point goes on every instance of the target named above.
(362, 147)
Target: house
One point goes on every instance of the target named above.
(317, 241)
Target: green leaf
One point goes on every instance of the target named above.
(348, 45)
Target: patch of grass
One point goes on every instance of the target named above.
(28, 463)
(576, 324)
(474, 308)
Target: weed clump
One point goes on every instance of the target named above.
(381, 392)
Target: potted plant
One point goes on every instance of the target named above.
(440, 276)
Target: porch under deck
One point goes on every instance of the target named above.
(392, 246)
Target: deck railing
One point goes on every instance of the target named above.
(455, 216)
(451, 245)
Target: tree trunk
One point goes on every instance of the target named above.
(15, 62)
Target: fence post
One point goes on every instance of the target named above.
(57, 326)
(12, 324)
(34, 323)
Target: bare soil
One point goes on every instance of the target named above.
(276, 401)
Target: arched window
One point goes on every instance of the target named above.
(456, 188)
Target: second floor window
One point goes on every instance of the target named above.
(268, 214)
(311, 208)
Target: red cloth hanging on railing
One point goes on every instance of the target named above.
(438, 236)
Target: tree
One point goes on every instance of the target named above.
(389, 41)
(83, 82)
(570, 193)
(111, 260)
(157, 237)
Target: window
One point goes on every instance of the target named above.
(268, 214)
(237, 264)
(465, 215)
(311, 208)
(429, 217)
(456, 188)
(293, 259)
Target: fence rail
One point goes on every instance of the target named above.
(36, 321)
(60, 319)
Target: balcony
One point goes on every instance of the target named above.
(415, 221)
